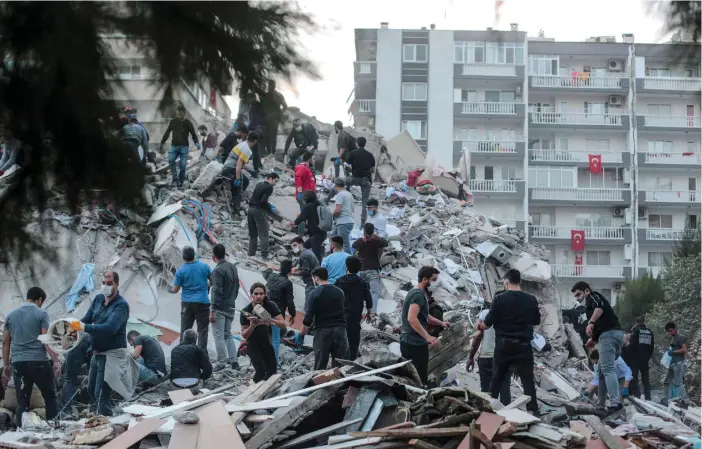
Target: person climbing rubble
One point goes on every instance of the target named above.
(310, 216)
(149, 354)
(325, 308)
(357, 293)
(641, 346)
(306, 262)
(343, 213)
(225, 289)
(274, 105)
(304, 182)
(259, 207)
(74, 362)
(335, 263)
(622, 371)
(181, 128)
(484, 345)
(379, 221)
(362, 164)
(345, 144)
(233, 168)
(673, 383)
(414, 338)
(193, 277)
(604, 330)
(369, 248)
(280, 292)
(258, 331)
(25, 357)
(189, 362)
(513, 314)
(209, 140)
(306, 141)
(135, 137)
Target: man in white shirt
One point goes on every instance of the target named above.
(374, 216)
(234, 168)
(484, 345)
(624, 377)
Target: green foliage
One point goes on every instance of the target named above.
(638, 299)
(689, 244)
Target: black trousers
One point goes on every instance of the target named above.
(316, 242)
(257, 221)
(256, 156)
(518, 354)
(270, 136)
(636, 368)
(329, 341)
(237, 191)
(28, 374)
(262, 356)
(419, 356)
(485, 371)
(353, 332)
(191, 312)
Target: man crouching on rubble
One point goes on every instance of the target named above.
(415, 340)
(112, 367)
(622, 371)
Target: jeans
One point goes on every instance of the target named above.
(329, 341)
(277, 335)
(376, 285)
(258, 230)
(419, 356)
(262, 358)
(344, 230)
(190, 312)
(365, 185)
(636, 368)
(610, 346)
(75, 359)
(222, 328)
(673, 383)
(26, 375)
(508, 353)
(147, 377)
(173, 154)
(98, 389)
(485, 371)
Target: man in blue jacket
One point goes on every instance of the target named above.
(106, 323)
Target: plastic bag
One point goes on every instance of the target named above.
(666, 360)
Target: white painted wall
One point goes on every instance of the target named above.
(563, 255)
(388, 97)
(501, 209)
(678, 106)
(679, 145)
(477, 131)
(439, 143)
(661, 178)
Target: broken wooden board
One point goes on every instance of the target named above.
(604, 434)
(259, 405)
(135, 434)
(178, 396)
(413, 433)
(490, 423)
(518, 416)
(316, 434)
(451, 350)
(253, 393)
(184, 436)
(360, 408)
(421, 444)
(216, 429)
(183, 406)
(255, 419)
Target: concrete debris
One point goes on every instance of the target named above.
(186, 417)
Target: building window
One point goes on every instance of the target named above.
(468, 52)
(416, 128)
(414, 53)
(593, 220)
(663, 110)
(663, 184)
(414, 91)
(504, 52)
(597, 144)
(495, 96)
(129, 71)
(472, 172)
(509, 173)
(543, 65)
(489, 173)
(660, 221)
(658, 259)
(597, 258)
(658, 72)
(660, 146)
(557, 177)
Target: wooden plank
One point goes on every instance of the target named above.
(184, 436)
(216, 429)
(261, 391)
(255, 419)
(178, 396)
(413, 433)
(316, 434)
(243, 429)
(353, 443)
(489, 423)
(135, 434)
(183, 406)
(373, 414)
(605, 435)
(260, 405)
(521, 400)
(360, 408)
(421, 444)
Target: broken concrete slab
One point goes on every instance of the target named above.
(207, 176)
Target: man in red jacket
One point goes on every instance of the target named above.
(304, 181)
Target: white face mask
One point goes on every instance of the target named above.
(432, 287)
(298, 127)
(296, 249)
(106, 290)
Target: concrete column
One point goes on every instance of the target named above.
(388, 98)
(440, 91)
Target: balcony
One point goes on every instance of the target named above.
(610, 84)
(486, 70)
(539, 156)
(669, 123)
(653, 271)
(364, 69)
(660, 235)
(488, 109)
(364, 107)
(593, 235)
(668, 85)
(488, 148)
(669, 160)
(497, 188)
(614, 120)
(589, 271)
(670, 197)
(575, 195)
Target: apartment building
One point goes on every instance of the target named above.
(597, 139)
(203, 104)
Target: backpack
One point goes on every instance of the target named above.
(325, 218)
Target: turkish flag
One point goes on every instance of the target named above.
(595, 163)
(577, 240)
(213, 98)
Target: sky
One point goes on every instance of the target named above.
(332, 47)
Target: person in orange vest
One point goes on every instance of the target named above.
(304, 181)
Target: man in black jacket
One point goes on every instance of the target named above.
(306, 139)
(513, 315)
(357, 294)
(225, 289)
(181, 128)
(280, 292)
(641, 349)
(307, 261)
(189, 362)
(258, 214)
(310, 217)
(362, 164)
(345, 144)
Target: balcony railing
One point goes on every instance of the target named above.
(672, 83)
(481, 107)
(490, 69)
(672, 196)
(572, 156)
(672, 158)
(366, 105)
(576, 82)
(577, 194)
(365, 67)
(563, 232)
(670, 234)
(489, 146)
(577, 118)
(477, 185)
(673, 121)
(588, 271)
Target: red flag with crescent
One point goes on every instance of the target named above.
(595, 163)
(577, 240)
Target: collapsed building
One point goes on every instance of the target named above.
(376, 401)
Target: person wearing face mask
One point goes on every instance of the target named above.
(209, 140)
(304, 182)
(368, 249)
(112, 368)
(257, 333)
(513, 314)
(376, 218)
(310, 216)
(258, 214)
(306, 262)
(306, 139)
(414, 338)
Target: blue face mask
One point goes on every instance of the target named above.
(371, 213)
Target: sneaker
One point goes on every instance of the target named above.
(219, 367)
(235, 366)
(614, 408)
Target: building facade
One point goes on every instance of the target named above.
(564, 140)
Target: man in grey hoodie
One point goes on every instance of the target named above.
(225, 288)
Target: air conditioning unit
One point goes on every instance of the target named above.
(615, 100)
(615, 65)
(501, 254)
(617, 212)
(617, 286)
